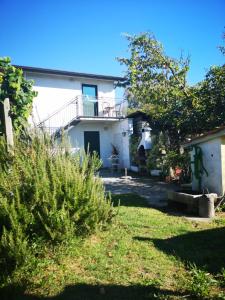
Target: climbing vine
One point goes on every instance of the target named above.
(14, 86)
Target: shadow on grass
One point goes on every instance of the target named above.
(204, 248)
(100, 292)
(132, 200)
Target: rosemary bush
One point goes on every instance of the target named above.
(47, 194)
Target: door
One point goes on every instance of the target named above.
(92, 141)
(90, 100)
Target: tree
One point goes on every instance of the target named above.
(210, 104)
(19, 91)
(157, 85)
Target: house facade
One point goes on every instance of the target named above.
(85, 107)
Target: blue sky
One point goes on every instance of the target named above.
(86, 36)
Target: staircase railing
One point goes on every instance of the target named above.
(83, 106)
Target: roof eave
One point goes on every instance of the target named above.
(69, 73)
(206, 137)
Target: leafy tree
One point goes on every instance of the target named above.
(210, 100)
(157, 85)
(19, 91)
(209, 104)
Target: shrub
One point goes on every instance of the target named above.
(201, 282)
(47, 193)
(164, 158)
(222, 278)
(134, 142)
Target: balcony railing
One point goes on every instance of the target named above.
(100, 107)
(84, 106)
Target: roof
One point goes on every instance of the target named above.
(212, 134)
(137, 114)
(69, 73)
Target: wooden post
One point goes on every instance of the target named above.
(7, 123)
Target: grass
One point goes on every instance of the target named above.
(144, 254)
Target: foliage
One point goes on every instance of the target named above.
(141, 255)
(162, 158)
(156, 157)
(156, 84)
(222, 277)
(115, 150)
(201, 282)
(19, 91)
(210, 100)
(48, 194)
(134, 142)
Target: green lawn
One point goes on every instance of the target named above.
(143, 254)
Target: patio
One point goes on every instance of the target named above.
(153, 190)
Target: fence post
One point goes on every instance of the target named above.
(7, 123)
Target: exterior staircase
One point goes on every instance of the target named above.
(70, 114)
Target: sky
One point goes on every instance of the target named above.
(87, 36)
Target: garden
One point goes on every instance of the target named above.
(143, 253)
(63, 237)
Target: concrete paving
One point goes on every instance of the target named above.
(153, 190)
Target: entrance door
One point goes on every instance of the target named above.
(92, 141)
(90, 100)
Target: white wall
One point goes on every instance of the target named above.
(121, 138)
(110, 133)
(56, 90)
(223, 164)
(212, 162)
(76, 136)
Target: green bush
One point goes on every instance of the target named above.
(47, 194)
(222, 278)
(134, 142)
(162, 157)
(201, 282)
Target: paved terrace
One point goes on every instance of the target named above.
(153, 190)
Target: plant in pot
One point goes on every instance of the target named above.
(115, 157)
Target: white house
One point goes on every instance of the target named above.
(85, 106)
(208, 161)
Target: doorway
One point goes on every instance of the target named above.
(90, 100)
(92, 142)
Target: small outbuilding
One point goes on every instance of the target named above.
(208, 161)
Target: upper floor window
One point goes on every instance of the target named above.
(89, 90)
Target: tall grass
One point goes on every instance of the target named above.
(47, 194)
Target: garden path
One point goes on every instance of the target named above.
(153, 190)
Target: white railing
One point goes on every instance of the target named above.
(84, 106)
(101, 107)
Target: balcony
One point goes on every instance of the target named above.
(100, 107)
(82, 107)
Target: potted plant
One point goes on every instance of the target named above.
(114, 157)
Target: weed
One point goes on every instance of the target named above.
(201, 282)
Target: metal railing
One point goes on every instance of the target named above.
(101, 107)
(84, 106)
